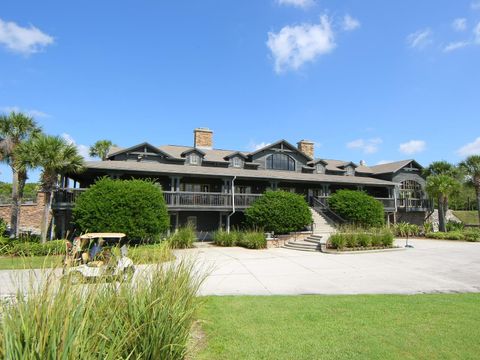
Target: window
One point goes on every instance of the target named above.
(411, 189)
(280, 162)
(350, 170)
(237, 162)
(194, 159)
(320, 168)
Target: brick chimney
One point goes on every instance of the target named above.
(203, 138)
(307, 147)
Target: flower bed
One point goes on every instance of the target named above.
(361, 240)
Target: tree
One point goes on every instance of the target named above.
(101, 148)
(358, 208)
(15, 129)
(279, 211)
(441, 187)
(134, 207)
(55, 157)
(471, 167)
(443, 168)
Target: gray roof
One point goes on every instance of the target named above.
(209, 171)
(391, 167)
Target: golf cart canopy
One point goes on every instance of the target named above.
(103, 236)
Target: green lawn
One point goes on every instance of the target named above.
(342, 327)
(31, 262)
(145, 254)
(467, 217)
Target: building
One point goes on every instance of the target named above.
(210, 188)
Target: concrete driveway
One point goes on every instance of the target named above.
(431, 267)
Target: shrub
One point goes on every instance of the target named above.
(3, 226)
(386, 237)
(151, 254)
(253, 240)
(358, 208)
(337, 241)
(427, 227)
(364, 240)
(223, 238)
(455, 235)
(405, 229)
(183, 238)
(454, 226)
(279, 211)
(150, 318)
(134, 207)
(351, 240)
(472, 235)
(20, 248)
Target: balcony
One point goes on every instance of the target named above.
(66, 198)
(407, 205)
(388, 203)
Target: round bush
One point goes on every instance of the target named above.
(357, 207)
(279, 211)
(134, 207)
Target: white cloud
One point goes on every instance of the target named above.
(369, 146)
(33, 113)
(350, 23)
(293, 46)
(420, 39)
(459, 24)
(297, 3)
(23, 40)
(472, 148)
(455, 46)
(83, 150)
(475, 5)
(413, 147)
(476, 32)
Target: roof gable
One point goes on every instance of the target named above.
(282, 144)
(143, 148)
(193, 150)
(393, 167)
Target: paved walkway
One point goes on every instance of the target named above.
(431, 267)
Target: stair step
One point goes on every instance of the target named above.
(289, 247)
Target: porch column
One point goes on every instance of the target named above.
(326, 190)
(360, 187)
(274, 185)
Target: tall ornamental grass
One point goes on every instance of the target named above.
(150, 318)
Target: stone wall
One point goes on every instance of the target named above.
(30, 215)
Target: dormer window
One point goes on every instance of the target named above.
(194, 159)
(320, 168)
(350, 171)
(237, 162)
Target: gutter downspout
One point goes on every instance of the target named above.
(233, 204)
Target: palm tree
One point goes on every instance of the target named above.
(55, 157)
(442, 168)
(471, 168)
(101, 148)
(15, 129)
(441, 187)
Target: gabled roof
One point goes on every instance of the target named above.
(236, 153)
(151, 148)
(211, 155)
(285, 143)
(189, 151)
(394, 167)
(351, 163)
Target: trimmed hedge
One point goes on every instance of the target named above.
(279, 211)
(465, 235)
(21, 248)
(134, 207)
(358, 208)
(364, 239)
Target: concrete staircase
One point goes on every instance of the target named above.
(312, 243)
(322, 229)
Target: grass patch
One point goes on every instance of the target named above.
(467, 217)
(30, 262)
(342, 327)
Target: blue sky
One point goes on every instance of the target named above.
(374, 80)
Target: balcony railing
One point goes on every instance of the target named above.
(388, 203)
(65, 198)
(414, 204)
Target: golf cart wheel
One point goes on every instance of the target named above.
(128, 273)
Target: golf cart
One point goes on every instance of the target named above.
(98, 255)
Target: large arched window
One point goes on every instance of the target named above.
(411, 189)
(280, 162)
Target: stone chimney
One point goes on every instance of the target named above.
(203, 138)
(307, 147)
